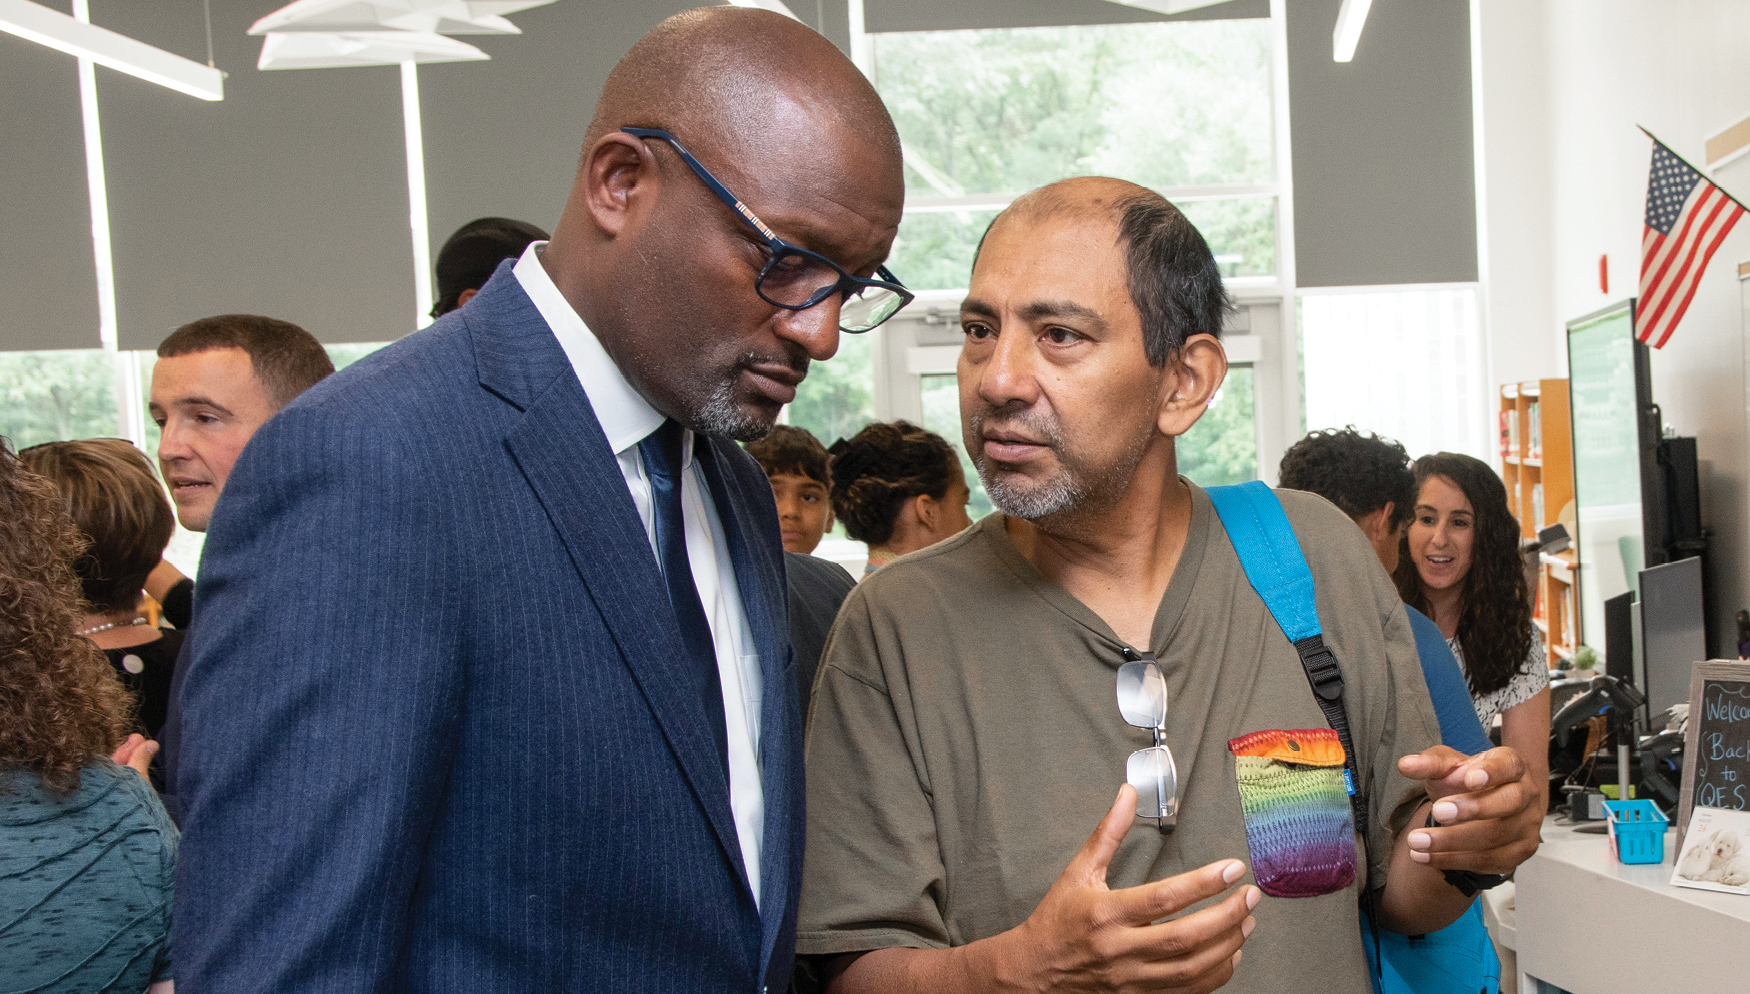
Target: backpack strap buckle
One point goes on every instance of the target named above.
(1321, 667)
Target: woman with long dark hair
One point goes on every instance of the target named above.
(1461, 567)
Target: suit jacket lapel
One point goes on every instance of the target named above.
(759, 575)
(563, 454)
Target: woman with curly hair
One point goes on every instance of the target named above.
(898, 488)
(1462, 569)
(87, 852)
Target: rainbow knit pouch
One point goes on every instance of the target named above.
(1299, 825)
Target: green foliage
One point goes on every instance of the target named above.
(1585, 658)
(837, 397)
(55, 396)
(933, 251)
(942, 416)
(1006, 110)
(1222, 447)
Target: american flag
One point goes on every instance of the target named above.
(1687, 219)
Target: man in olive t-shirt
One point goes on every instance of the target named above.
(965, 731)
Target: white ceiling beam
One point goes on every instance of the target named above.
(1347, 34)
(53, 29)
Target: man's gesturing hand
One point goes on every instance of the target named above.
(1488, 815)
(1085, 936)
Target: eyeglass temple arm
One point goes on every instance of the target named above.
(705, 177)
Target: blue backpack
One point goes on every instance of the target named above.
(1458, 959)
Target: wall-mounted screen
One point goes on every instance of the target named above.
(1607, 382)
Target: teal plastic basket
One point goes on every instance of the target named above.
(1637, 830)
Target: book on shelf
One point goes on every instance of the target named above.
(1507, 418)
(1535, 442)
(1537, 505)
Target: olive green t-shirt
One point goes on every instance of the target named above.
(964, 740)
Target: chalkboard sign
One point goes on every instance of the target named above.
(1716, 746)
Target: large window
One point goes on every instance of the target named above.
(1184, 108)
(1406, 362)
(51, 396)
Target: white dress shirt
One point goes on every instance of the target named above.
(626, 417)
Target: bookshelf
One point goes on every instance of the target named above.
(1537, 466)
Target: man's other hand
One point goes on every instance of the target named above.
(1086, 937)
(137, 753)
(1488, 815)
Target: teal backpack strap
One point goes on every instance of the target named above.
(1271, 557)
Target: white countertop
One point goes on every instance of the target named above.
(1591, 925)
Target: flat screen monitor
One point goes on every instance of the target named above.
(1673, 631)
(1610, 394)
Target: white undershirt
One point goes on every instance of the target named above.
(626, 418)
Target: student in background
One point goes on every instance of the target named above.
(800, 470)
(1464, 571)
(87, 855)
(898, 488)
(1369, 479)
(470, 255)
(801, 474)
(113, 497)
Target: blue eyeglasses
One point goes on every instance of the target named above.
(795, 278)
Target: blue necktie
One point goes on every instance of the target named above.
(661, 450)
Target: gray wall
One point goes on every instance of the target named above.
(47, 276)
(288, 198)
(1384, 175)
(503, 137)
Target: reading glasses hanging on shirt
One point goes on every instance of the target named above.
(795, 278)
(1142, 699)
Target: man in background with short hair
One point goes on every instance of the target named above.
(217, 381)
(800, 470)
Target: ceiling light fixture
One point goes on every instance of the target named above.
(53, 29)
(1168, 6)
(1347, 33)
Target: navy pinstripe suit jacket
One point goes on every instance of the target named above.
(436, 734)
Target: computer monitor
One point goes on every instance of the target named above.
(1616, 473)
(1673, 631)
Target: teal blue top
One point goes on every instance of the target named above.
(85, 883)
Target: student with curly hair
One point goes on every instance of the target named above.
(1463, 570)
(899, 489)
(86, 851)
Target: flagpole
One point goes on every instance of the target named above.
(1714, 183)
